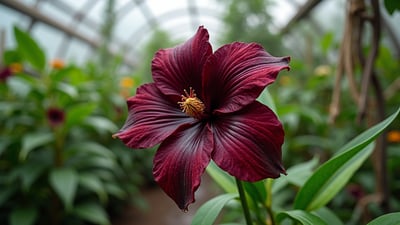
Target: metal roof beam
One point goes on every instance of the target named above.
(301, 14)
(37, 15)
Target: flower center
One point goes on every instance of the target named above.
(191, 105)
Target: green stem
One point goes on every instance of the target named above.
(58, 147)
(243, 200)
(268, 203)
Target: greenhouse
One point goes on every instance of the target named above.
(201, 112)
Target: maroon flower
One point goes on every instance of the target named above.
(55, 116)
(5, 73)
(9, 71)
(202, 106)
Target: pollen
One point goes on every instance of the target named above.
(191, 105)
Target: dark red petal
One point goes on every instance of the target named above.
(236, 74)
(181, 160)
(248, 143)
(179, 68)
(151, 118)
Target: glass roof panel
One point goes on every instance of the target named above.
(9, 18)
(51, 10)
(77, 5)
(129, 23)
(159, 8)
(95, 11)
(136, 20)
(282, 11)
(77, 52)
(49, 39)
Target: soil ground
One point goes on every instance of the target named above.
(162, 210)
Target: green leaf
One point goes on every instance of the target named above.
(23, 216)
(4, 142)
(256, 190)
(387, 219)
(392, 5)
(29, 173)
(11, 56)
(101, 124)
(91, 148)
(302, 217)
(77, 113)
(93, 183)
(266, 98)
(29, 49)
(330, 177)
(6, 193)
(224, 180)
(32, 141)
(115, 190)
(208, 212)
(296, 175)
(64, 182)
(67, 89)
(326, 41)
(98, 162)
(92, 212)
(328, 216)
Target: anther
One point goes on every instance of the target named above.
(191, 105)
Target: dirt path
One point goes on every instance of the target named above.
(163, 211)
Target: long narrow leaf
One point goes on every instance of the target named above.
(303, 217)
(256, 190)
(330, 178)
(64, 182)
(29, 49)
(208, 212)
(387, 219)
(32, 141)
(224, 180)
(328, 216)
(92, 212)
(23, 216)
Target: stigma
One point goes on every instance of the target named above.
(191, 105)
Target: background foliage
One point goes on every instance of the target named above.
(58, 162)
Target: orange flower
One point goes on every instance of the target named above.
(393, 136)
(16, 67)
(57, 64)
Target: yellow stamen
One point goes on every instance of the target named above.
(191, 105)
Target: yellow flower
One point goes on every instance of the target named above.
(393, 136)
(285, 80)
(126, 82)
(322, 70)
(57, 64)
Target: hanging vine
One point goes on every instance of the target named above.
(359, 15)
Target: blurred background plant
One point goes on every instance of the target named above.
(57, 157)
(59, 164)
